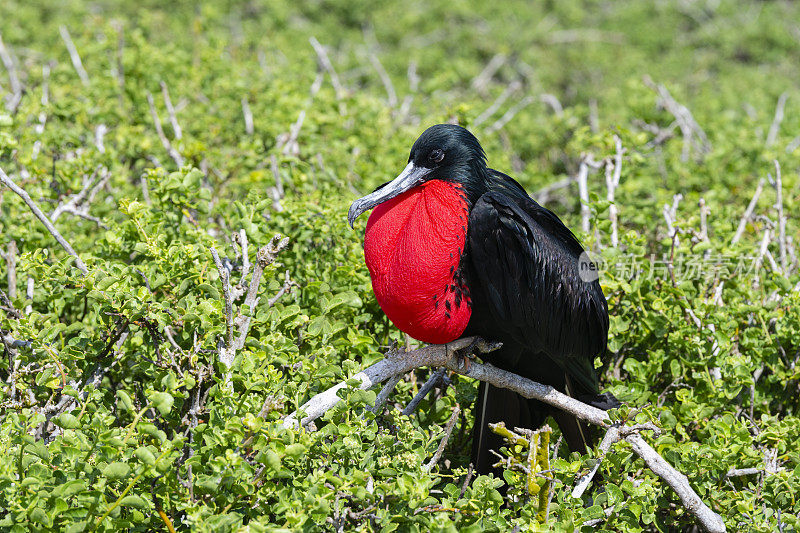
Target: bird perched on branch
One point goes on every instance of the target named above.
(455, 248)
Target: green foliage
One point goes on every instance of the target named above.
(116, 413)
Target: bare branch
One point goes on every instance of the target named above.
(613, 171)
(679, 483)
(276, 192)
(737, 472)
(776, 122)
(386, 80)
(29, 295)
(383, 395)
(748, 212)
(78, 204)
(11, 263)
(703, 219)
(482, 80)
(611, 436)
(99, 134)
(13, 79)
(670, 214)
(552, 101)
(173, 120)
(583, 189)
(686, 122)
(512, 87)
(325, 63)
(448, 430)
(248, 116)
(445, 356)
(435, 378)
(287, 284)
(39, 128)
(762, 251)
(8, 182)
(778, 184)
(73, 55)
(226, 350)
(543, 195)
(510, 114)
(173, 153)
(228, 347)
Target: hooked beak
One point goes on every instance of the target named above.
(408, 179)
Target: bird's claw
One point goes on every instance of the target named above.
(466, 355)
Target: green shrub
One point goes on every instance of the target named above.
(117, 412)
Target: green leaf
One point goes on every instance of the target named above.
(163, 402)
(125, 400)
(145, 456)
(116, 470)
(67, 421)
(133, 500)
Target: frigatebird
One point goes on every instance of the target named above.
(455, 249)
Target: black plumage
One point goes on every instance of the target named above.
(523, 270)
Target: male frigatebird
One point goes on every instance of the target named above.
(455, 248)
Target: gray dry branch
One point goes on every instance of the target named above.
(8, 182)
(447, 356)
(241, 323)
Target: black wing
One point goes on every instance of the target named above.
(527, 267)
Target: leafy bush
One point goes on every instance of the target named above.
(117, 410)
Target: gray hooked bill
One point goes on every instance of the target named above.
(410, 177)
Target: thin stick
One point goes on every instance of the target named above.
(778, 184)
(512, 87)
(776, 122)
(435, 378)
(583, 189)
(325, 62)
(443, 355)
(552, 101)
(383, 395)
(173, 153)
(611, 436)
(276, 192)
(748, 212)
(173, 119)
(482, 80)
(73, 55)
(11, 263)
(736, 472)
(613, 171)
(686, 122)
(13, 78)
(543, 195)
(29, 295)
(385, 79)
(41, 216)
(510, 114)
(448, 430)
(248, 116)
(226, 354)
(762, 250)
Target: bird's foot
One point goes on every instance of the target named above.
(466, 355)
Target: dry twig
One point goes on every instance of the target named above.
(73, 55)
(448, 430)
(8, 182)
(444, 356)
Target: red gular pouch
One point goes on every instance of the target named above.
(413, 246)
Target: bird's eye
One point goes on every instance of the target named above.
(436, 156)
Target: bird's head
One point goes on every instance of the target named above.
(443, 152)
